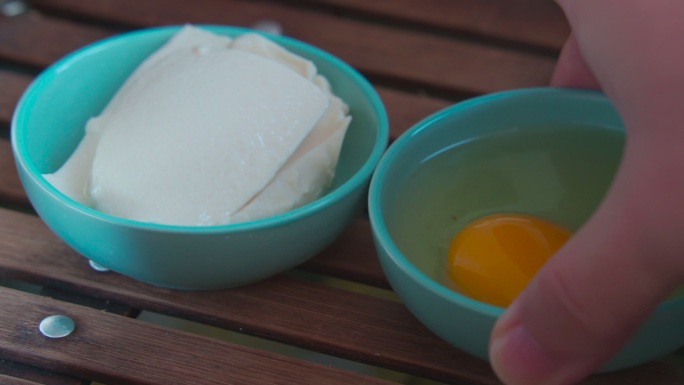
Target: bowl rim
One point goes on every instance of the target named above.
(360, 176)
(379, 225)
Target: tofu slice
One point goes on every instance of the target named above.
(188, 37)
(255, 43)
(194, 137)
(311, 169)
(307, 173)
(72, 178)
(153, 128)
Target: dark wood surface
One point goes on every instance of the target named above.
(420, 55)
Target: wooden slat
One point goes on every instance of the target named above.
(350, 257)
(406, 109)
(11, 87)
(11, 190)
(7, 380)
(117, 349)
(384, 328)
(391, 53)
(653, 373)
(36, 41)
(11, 369)
(84, 300)
(308, 314)
(535, 22)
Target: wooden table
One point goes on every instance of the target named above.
(334, 320)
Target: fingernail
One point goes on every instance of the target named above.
(518, 359)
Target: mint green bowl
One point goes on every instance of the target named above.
(412, 225)
(49, 122)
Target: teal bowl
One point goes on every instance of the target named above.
(542, 151)
(49, 122)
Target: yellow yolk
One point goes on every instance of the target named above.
(493, 258)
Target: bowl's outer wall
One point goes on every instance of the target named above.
(455, 318)
(49, 125)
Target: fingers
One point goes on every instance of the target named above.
(581, 307)
(595, 292)
(631, 48)
(571, 69)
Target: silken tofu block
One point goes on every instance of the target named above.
(311, 169)
(192, 139)
(210, 130)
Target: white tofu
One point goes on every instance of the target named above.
(187, 38)
(307, 173)
(210, 130)
(261, 46)
(72, 178)
(193, 138)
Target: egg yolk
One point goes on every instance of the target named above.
(493, 258)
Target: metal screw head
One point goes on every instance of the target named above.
(97, 267)
(57, 326)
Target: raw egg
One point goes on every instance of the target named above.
(493, 258)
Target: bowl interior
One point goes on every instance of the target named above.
(542, 153)
(51, 117)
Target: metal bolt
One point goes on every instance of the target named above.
(268, 26)
(97, 267)
(11, 8)
(57, 326)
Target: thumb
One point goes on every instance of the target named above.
(593, 294)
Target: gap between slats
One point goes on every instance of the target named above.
(537, 26)
(309, 315)
(302, 313)
(284, 309)
(10, 369)
(116, 349)
(434, 62)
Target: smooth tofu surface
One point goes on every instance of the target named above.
(209, 128)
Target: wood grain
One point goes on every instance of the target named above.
(116, 349)
(11, 190)
(534, 22)
(13, 85)
(32, 374)
(7, 380)
(299, 312)
(406, 109)
(351, 257)
(87, 301)
(409, 49)
(35, 41)
(412, 58)
(303, 313)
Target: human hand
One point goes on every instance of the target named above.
(594, 293)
